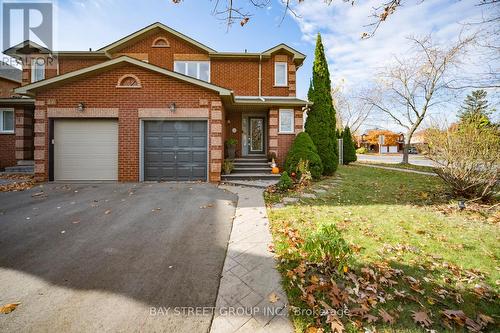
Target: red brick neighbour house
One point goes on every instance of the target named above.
(158, 105)
(16, 114)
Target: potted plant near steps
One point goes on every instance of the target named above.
(227, 167)
(231, 148)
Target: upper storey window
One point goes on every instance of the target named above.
(197, 69)
(37, 69)
(280, 74)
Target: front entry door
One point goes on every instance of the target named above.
(256, 135)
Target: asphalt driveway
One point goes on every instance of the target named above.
(112, 257)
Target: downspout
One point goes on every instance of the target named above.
(260, 75)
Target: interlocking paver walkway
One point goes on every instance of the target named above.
(249, 275)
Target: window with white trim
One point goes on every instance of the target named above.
(286, 121)
(280, 74)
(7, 121)
(37, 69)
(197, 69)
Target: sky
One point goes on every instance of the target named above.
(84, 24)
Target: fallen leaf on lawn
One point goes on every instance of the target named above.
(8, 308)
(457, 316)
(421, 318)
(270, 247)
(107, 212)
(273, 298)
(386, 317)
(472, 325)
(484, 319)
(370, 318)
(312, 329)
(314, 279)
(335, 323)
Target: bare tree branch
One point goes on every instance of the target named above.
(409, 88)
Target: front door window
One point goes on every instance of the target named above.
(256, 134)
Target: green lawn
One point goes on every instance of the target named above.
(413, 251)
(401, 166)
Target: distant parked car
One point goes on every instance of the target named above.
(412, 150)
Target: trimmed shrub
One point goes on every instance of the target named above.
(285, 182)
(304, 149)
(348, 146)
(361, 150)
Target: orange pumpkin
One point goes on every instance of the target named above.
(275, 170)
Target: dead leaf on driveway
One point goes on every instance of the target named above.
(207, 206)
(273, 298)
(107, 212)
(8, 308)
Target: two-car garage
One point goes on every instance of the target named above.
(87, 150)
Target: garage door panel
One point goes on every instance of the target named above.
(183, 151)
(199, 157)
(153, 141)
(184, 141)
(184, 157)
(169, 140)
(85, 149)
(199, 127)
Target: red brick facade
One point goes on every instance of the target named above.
(7, 150)
(7, 88)
(99, 93)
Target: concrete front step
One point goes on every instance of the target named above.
(251, 165)
(251, 170)
(25, 163)
(250, 161)
(20, 169)
(249, 176)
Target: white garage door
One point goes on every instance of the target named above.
(393, 149)
(86, 150)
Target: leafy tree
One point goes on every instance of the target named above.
(476, 109)
(320, 123)
(349, 147)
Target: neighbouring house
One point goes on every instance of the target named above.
(157, 105)
(419, 141)
(381, 141)
(16, 115)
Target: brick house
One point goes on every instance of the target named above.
(16, 115)
(158, 105)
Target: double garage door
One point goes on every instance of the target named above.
(88, 150)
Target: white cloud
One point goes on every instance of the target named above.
(356, 60)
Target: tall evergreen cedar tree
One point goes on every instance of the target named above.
(476, 109)
(349, 147)
(320, 123)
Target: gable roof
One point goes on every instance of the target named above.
(156, 25)
(283, 46)
(31, 88)
(26, 47)
(10, 73)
